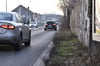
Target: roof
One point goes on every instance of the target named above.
(22, 7)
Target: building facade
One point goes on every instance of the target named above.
(26, 13)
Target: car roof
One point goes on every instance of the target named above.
(50, 21)
(9, 12)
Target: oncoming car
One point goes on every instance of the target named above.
(33, 24)
(50, 25)
(13, 31)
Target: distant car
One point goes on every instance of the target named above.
(33, 24)
(50, 25)
(13, 31)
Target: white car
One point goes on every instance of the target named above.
(33, 24)
(13, 31)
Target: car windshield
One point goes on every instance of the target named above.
(6, 16)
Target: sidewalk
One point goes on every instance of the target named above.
(44, 56)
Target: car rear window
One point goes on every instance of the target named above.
(50, 22)
(6, 16)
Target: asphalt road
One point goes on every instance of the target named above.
(28, 55)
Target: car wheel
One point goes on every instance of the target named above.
(55, 29)
(36, 26)
(18, 45)
(29, 40)
(45, 29)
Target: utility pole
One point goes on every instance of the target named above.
(6, 5)
(28, 15)
(29, 11)
(90, 12)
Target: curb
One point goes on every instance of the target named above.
(44, 56)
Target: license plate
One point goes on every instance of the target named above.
(2, 30)
(50, 25)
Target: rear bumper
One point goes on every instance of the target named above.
(9, 38)
(50, 27)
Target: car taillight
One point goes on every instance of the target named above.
(8, 26)
(54, 24)
(46, 24)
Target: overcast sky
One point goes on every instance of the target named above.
(41, 6)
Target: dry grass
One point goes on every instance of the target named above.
(62, 35)
(68, 51)
(66, 44)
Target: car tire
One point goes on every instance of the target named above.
(45, 29)
(18, 45)
(55, 29)
(36, 26)
(29, 40)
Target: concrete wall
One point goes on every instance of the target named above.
(79, 21)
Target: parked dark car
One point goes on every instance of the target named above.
(50, 25)
(13, 31)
